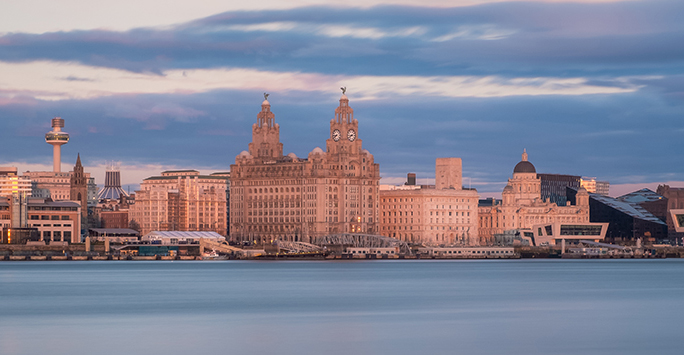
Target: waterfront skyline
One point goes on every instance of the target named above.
(589, 88)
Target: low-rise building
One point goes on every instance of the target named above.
(58, 221)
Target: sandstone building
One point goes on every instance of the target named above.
(182, 200)
(522, 207)
(443, 214)
(275, 196)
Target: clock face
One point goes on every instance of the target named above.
(351, 135)
(336, 135)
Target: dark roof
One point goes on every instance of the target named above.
(524, 167)
(180, 171)
(114, 231)
(55, 204)
(631, 209)
(175, 177)
(639, 196)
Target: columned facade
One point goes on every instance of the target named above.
(522, 207)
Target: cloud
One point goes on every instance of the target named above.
(39, 16)
(481, 32)
(42, 80)
(547, 39)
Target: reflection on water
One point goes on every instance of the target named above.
(355, 307)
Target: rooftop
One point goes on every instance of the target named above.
(639, 196)
(631, 209)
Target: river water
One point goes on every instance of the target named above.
(345, 307)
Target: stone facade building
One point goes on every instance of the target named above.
(275, 196)
(182, 200)
(443, 214)
(522, 207)
(55, 221)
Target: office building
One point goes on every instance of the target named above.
(440, 214)
(285, 197)
(181, 200)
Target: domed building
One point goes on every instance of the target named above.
(283, 197)
(522, 209)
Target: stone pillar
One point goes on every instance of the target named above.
(562, 246)
(87, 244)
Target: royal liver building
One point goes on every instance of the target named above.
(283, 197)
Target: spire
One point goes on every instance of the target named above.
(78, 160)
(524, 155)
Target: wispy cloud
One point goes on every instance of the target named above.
(479, 32)
(325, 30)
(43, 80)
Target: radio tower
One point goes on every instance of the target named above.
(57, 138)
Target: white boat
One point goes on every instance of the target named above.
(213, 255)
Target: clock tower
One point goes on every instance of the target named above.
(344, 130)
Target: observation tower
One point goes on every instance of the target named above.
(57, 138)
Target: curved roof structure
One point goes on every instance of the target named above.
(112, 189)
(524, 166)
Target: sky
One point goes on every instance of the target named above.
(590, 88)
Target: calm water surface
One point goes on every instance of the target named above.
(354, 307)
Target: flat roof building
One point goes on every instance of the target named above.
(442, 214)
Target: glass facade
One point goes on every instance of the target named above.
(680, 220)
(570, 229)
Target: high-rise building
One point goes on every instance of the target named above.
(441, 214)
(275, 196)
(594, 186)
(181, 200)
(553, 187)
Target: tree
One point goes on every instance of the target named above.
(133, 224)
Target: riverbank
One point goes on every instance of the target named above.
(77, 252)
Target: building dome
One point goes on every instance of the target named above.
(292, 155)
(317, 150)
(524, 166)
